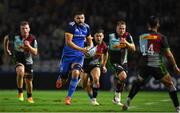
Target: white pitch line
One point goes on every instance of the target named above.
(150, 103)
(132, 107)
(165, 100)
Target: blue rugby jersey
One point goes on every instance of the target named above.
(79, 32)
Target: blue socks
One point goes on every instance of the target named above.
(72, 86)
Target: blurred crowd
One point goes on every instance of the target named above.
(48, 20)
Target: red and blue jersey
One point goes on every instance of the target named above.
(152, 45)
(79, 32)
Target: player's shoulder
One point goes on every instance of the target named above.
(127, 35)
(152, 33)
(71, 23)
(31, 38)
(104, 44)
(160, 34)
(86, 25)
(32, 35)
(112, 34)
(12, 35)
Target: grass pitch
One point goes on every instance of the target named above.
(53, 101)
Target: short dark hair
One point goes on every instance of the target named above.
(99, 31)
(78, 12)
(121, 22)
(22, 23)
(153, 21)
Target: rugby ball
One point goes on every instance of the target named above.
(91, 52)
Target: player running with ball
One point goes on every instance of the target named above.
(73, 53)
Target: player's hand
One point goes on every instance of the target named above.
(26, 43)
(104, 69)
(98, 85)
(84, 50)
(58, 83)
(8, 53)
(121, 45)
(23, 47)
(88, 47)
(177, 70)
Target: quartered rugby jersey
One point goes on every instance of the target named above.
(152, 45)
(101, 49)
(16, 41)
(116, 54)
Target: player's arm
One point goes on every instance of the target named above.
(129, 43)
(6, 46)
(105, 58)
(31, 49)
(130, 46)
(89, 41)
(104, 61)
(171, 60)
(70, 43)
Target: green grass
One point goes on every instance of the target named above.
(53, 101)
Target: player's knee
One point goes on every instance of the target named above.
(29, 76)
(95, 79)
(118, 68)
(20, 70)
(28, 80)
(122, 76)
(170, 86)
(77, 67)
(75, 73)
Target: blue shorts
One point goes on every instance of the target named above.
(67, 61)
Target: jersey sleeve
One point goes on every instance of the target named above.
(130, 38)
(70, 28)
(165, 44)
(34, 43)
(88, 30)
(105, 47)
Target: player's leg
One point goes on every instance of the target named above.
(20, 70)
(28, 81)
(140, 81)
(83, 79)
(63, 71)
(133, 91)
(76, 70)
(167, 81)
(163, 75)
(121, 77)
(86, 79)
(95, 73)
(89, 89)
(85, 83)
